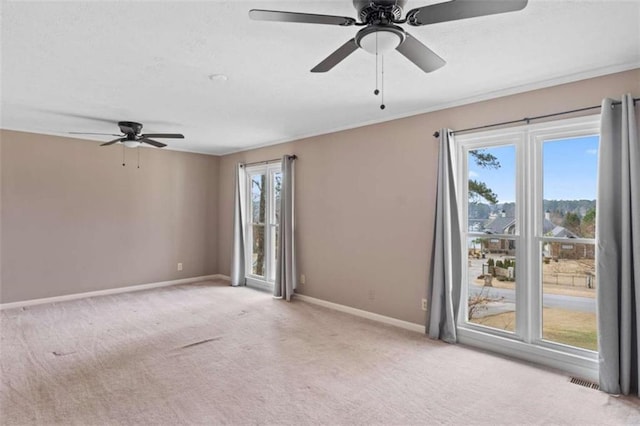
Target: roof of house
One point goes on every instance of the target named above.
(499, 225)
(560, 232)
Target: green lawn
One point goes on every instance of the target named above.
(559, 325)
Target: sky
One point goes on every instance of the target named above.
(569, 170)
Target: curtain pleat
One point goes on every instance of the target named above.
(286, 281)
(618, 248)
(237, 257)
(443, 290)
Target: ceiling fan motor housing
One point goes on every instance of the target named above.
(130, 127)
(369, 10)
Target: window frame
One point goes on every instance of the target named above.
(526, 341)
(265, 282)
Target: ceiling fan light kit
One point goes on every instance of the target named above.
(380, 39)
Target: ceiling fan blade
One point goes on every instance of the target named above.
(152, 142)
(82, 116)
(163, 135)
(113, 141)
(336, 57)
(89, 133)
(111, 121)
(419, 54)
(305, 18)
(461, 9)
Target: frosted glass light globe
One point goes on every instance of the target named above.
(386, 42)
(131, 144)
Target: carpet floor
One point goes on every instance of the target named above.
(208, 353)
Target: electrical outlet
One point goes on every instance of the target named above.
(303, 279)
(179, 266)
(424, 304)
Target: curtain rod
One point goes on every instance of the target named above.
(293, 157)
(528, 119)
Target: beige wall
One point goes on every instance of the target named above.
(365, 196)
(75, 220)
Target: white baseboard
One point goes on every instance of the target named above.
(226, 278)
(109, 291)
(363, 314)
(353, 311)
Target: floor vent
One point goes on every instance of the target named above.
(585, 383)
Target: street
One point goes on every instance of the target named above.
(507, 304)
(508, 297)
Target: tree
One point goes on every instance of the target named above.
(588, 225)
(477, 303)
(572, 222)
(479, 190)
(258, 236)
(259, 206)
(484, 159)
(590, 216)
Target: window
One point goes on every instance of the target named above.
(263, 206)
(528, 198)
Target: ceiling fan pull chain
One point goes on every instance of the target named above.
(123, 162)
(138, 149)
(375, 92)
(382, 106)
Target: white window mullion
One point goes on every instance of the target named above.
(523, 176)
(272, 225)
(267, 227)
(534, 198)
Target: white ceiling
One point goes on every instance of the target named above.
(65, 62)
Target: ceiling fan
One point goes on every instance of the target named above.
(132, 138)
(381, 33)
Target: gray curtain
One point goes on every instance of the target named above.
(286, 262)
(443, 290)
(237, 258)
(618, 251)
